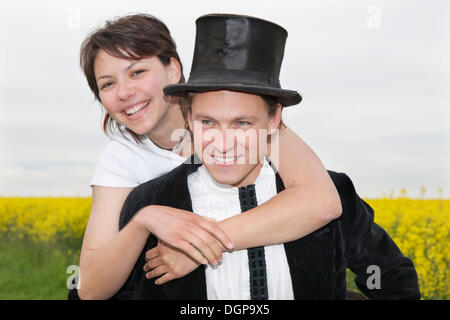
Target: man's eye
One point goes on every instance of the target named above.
(243, 123)
(206, 122)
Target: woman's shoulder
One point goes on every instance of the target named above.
(121, 153)
(124, 162)
(145, 149)
(125, 149)
(115, 166)
(120, 147)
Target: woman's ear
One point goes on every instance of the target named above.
(174, 69)
(275, 120)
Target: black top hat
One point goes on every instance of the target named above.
(237, 53)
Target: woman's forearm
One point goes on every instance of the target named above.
(104, 270)
(282, 219)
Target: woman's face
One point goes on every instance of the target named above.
(132, 90)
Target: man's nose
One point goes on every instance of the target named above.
(225, 142)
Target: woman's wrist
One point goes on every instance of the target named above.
(229, 226)
(141, 220)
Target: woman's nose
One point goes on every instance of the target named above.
(125, 91)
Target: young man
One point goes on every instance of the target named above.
(233, 104)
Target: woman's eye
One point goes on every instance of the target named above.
(106, 85)
(137, 72)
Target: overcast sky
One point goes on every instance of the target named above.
(374, 76)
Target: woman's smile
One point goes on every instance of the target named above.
(136, 111)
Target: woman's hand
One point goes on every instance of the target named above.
(167, 263)
(200, 238)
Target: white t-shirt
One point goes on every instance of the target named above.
(231, 279)
(125, 163)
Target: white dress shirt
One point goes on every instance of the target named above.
(230, 279)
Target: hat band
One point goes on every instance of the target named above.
(229, 77)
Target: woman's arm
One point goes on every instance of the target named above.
(309, 201)
(106, 257)
(109, 255)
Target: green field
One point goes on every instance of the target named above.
(30, 271)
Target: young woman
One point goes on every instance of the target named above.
(127, 63)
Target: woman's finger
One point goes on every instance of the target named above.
(201, 243)
(151, 254)
(165, 278)
(209, 219)
(153, 263)
(217, 245)
(211, 245)
(218, 249)
(192, 252)
(156, 272)
(214, 229)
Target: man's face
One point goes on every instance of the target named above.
(230, 134)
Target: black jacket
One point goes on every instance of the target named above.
(317, 262)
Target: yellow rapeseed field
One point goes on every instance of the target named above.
(46, 220)
(421, 229)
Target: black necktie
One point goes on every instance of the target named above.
(256, 256)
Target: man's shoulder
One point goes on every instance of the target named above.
(344, 186)
(145, 190)
(349, 199)
(357, 216)
(341, 179)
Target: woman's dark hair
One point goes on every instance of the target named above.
(130, 37)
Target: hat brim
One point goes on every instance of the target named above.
(285, 97)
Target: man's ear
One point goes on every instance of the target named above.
(189, 121)
(275, 120)
(174, 69)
